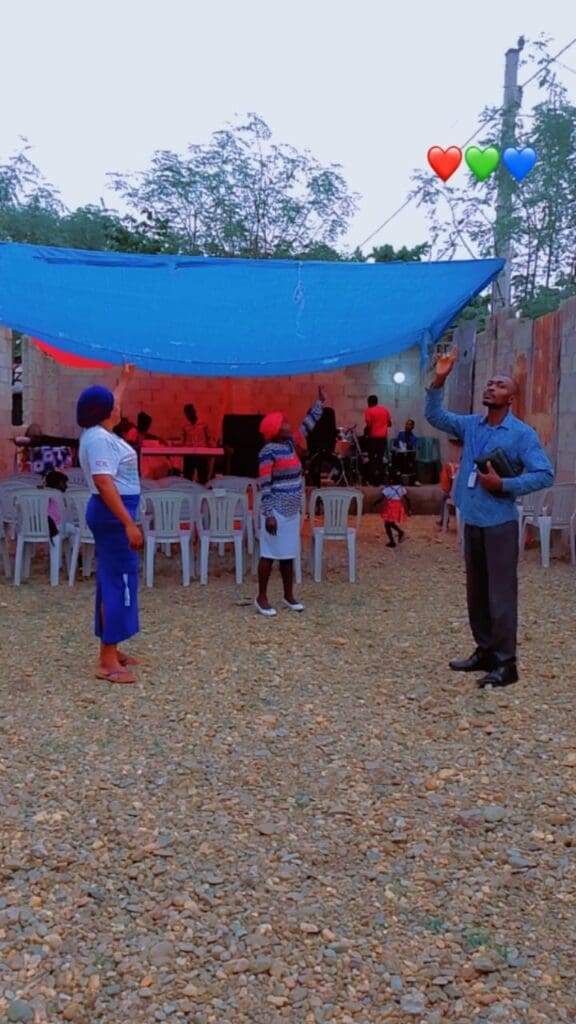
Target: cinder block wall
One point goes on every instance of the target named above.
(6, 430)
(50, 393)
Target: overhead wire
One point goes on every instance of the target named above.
(480, 129)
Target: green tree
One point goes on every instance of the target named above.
(242, 195)
(542, 219)
(30, 208)
(388, 254)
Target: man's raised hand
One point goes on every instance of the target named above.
(443, 366)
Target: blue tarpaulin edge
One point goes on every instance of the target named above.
(201, 316)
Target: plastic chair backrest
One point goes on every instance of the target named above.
(76, 501)
(222, 512)
(563, 503)
(166, 512)
(257, 502)
(32, 508)
(336, 502)
(180, 483)
(22, 483)
(238, 484)
(533, 503)
(76, 476)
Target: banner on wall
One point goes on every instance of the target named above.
(200, 316)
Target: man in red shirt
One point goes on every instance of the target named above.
(378, 422)
(378, 419)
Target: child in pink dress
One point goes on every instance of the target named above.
(394, 511)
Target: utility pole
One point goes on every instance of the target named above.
(501, 288)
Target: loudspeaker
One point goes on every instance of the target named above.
(242, 434)
(242, 430)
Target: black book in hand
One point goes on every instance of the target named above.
(500, 463)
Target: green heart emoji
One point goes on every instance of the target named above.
(482, 161)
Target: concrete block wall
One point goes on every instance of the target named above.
(51, 390)
(6, 432)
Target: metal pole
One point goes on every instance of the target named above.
(501, 288)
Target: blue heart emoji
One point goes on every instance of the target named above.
(519, 162)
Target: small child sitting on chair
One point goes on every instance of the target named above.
(58, 482)
(395, 510)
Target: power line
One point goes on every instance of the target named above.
(566, 67)
(482, 128)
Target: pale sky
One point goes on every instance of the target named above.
(98, 85)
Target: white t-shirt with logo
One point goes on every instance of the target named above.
(104, 452)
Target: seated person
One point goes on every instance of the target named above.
(404, 454)
(151, 467)
(58, 482)
(406, 439)
(448, 473)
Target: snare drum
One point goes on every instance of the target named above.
(343, 443)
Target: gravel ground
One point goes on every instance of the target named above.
(306, 819)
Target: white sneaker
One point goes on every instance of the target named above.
(264, 611)
(295, 607)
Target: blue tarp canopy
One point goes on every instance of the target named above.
(231, 317)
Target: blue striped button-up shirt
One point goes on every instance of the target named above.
(477, 506)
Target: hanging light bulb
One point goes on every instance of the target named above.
(399, 377)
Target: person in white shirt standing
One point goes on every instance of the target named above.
(111, 468)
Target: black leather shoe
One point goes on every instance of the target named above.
(503, 675)
(480, 661)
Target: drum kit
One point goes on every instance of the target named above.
(351, 455)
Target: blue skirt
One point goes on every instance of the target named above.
(116, 611)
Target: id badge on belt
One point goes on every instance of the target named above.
(472, 478)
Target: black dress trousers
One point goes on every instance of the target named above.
(491, 555)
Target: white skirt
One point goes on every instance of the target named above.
(283, 545)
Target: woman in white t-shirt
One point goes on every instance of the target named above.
(111, 469)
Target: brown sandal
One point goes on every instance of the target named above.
(115, 675)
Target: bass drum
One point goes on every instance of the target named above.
(324, 470)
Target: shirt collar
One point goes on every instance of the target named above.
(506, 422)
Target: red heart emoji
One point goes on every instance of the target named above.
(444, 161)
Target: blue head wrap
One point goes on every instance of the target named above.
(94, 405)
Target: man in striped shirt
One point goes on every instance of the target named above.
(281, 487)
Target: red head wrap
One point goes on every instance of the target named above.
(270, 425)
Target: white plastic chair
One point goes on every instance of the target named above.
(9, 491)
(32, 528)
(180, 483)
(75, 476)
(76, 502)
(4, 551)
(530, 507)
(164, 526)
(218, 515)
(450, 504)
(240, 485)
(557, 515)
(336, 502)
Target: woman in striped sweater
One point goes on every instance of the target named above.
(281, 484)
